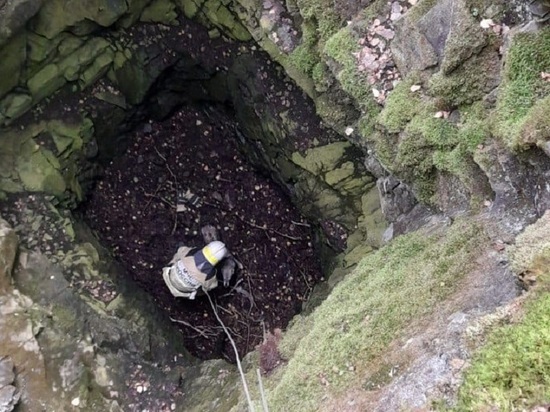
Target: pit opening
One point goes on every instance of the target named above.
(133, 209)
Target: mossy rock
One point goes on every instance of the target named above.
(160, 11)
(12, 58)
(14, 105)
(522, 86)
(189, 7)
(97, 69)
(223, 18)
(56, 16)
(39, 172)
(46, 82)
(132, 15)
(468, 83)
(401, 105)
(367, 310)
(40, 51)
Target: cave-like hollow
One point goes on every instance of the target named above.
(204, 128)
(133, 208)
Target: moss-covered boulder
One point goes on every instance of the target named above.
(12, 58)
(58, 15)
(49, 166)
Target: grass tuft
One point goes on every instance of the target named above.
(369, 309)
(512, 372)
(522, 85)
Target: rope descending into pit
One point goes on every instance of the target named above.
(239, 366)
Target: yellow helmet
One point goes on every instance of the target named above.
(214, 252)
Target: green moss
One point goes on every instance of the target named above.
(322, 14)
(513, 371)
(401, 106)
(368, 309)
(341, 47)
(434, 131)
(472, 80)
(474, 128)
(536, 126)
(522, 84)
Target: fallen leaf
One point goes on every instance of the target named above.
(438, 115)
(349, 131)
(415, 88)
(376, 92)
(412, 2)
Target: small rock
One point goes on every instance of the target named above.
(486, 23)
(415, 87)
(348, 131)
(75, 402)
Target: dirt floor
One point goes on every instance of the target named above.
(133, 209)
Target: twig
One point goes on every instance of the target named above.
(300, 223)
(159, 198)
(262, 393)
(201, 332)
(176, 188)
(265, 228)
(232, 289)
(150, 198)
(239, 366)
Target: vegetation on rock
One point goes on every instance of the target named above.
(512, 371)
(366, 311)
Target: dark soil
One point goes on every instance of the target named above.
(133, 209)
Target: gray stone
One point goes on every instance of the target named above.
(9, 397)
(7, 376)
(8, 248)
(14, 15)
(396, 198)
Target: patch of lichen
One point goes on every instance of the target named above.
(522, 86)
(367, 310)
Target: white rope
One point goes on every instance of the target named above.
(262, 393)
(245, 386)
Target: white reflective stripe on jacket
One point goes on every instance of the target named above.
(183, 278)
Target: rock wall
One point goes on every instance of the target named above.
(431, 107)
